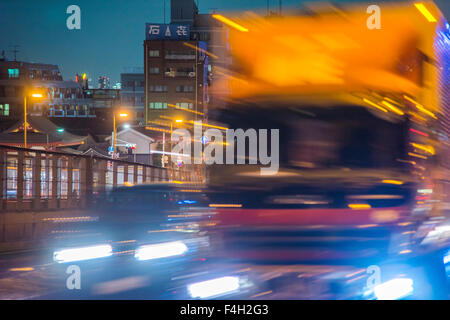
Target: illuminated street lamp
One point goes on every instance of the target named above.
(122, 115)
(35, 95)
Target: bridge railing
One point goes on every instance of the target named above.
(39, 180)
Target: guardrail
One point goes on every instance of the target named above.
(39, 180)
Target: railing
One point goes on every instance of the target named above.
(38, 180)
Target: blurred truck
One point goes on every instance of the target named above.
(358, 207)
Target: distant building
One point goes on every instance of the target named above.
(15, 76)
(102, 101)
(132, 95)
(64, 99)
(103, 82)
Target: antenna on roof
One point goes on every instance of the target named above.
(15, 51)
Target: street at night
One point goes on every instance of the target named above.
(224, 150)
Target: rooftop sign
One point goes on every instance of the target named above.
(155, 31)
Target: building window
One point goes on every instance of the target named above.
(180, 55)
(153, 53)
(154, 70)
(13, 73)
(158, 105)
(185, 105)
(185, 89)
(4, 110)
(180, 72)
(158, 88)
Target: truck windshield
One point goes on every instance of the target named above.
(325, 137)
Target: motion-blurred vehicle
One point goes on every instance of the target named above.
(359, 206)
(142, 237)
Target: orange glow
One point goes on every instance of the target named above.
(393, 108)
(412, 154)
(373, 104)
(123, 114)
(359, 206)
(187, 44)
(423, 147)
(397, 182)
(221, 205)
(423, 10)
(420, 107)
(209, 125)
(431, 114)
(229, 22)
(22, 269)
(327, 54)
(183, 109)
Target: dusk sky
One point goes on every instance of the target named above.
(111, 35)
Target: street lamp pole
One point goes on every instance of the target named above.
(171, 131)
(25, 124)
(114, 136)
(123, 114)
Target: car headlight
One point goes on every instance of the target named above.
(214, 287)
(394, 289)
(160, 250)
(83, 253)
(438, 234)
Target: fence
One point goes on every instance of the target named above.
(37, 180)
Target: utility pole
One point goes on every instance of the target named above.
(196, 82)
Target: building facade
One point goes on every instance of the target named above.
(132, 95)
(180, 60)
(16, 77)
(175, 79)
(104, 82)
